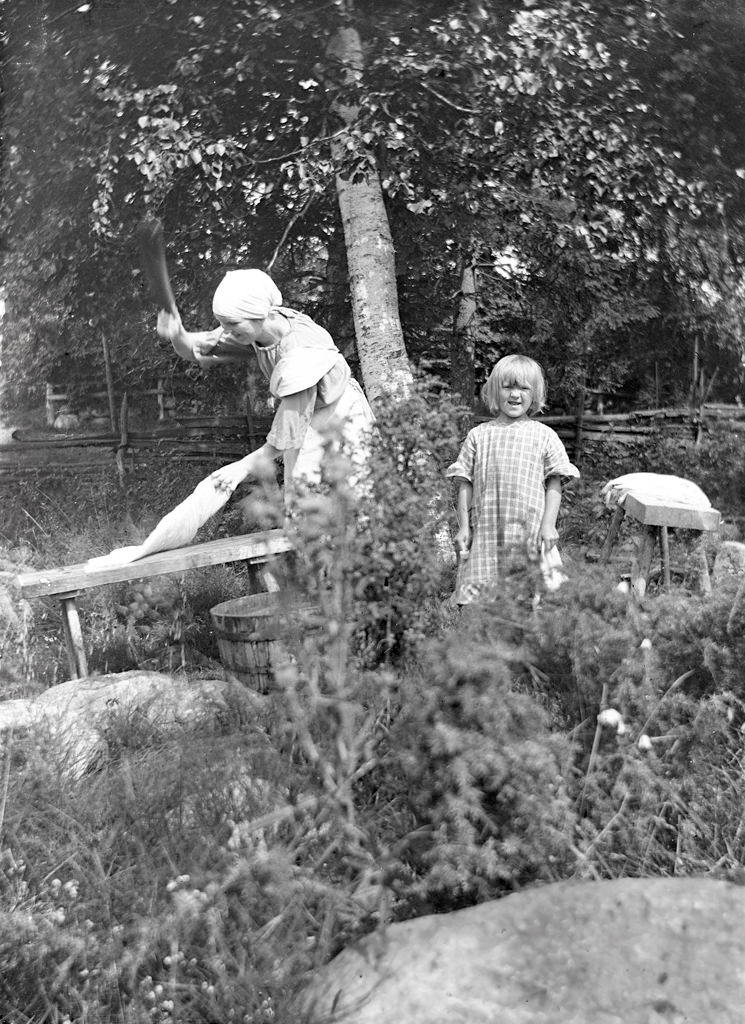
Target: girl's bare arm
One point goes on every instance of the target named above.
(463, 513)
(549, 533)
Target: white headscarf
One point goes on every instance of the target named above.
(246, 295)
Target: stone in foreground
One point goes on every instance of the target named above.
(624, 951)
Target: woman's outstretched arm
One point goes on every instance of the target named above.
(196, 346)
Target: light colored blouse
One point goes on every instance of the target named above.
(305, 371)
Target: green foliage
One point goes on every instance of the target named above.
(412, 757)
(385, 554)
(715, 464)
(483, 772)
(584, 157)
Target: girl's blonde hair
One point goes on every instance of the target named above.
(520, 370)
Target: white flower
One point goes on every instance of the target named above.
(644, 742)
(613, 719)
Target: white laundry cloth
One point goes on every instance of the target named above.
(174, 530)
(551, 563)
(655, 487)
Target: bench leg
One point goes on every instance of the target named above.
(265, 575)
(615, 524)
(73, 639)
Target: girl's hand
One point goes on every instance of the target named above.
(462, 543)
(549, 536)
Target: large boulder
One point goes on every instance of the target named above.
(626, 951)
(729, 562)
(74, 719)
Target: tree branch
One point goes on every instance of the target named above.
(297, 152)
(291, 223)
(444, 99)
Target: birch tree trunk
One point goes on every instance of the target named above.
(463, 344)
(370, 254)
(372, 268)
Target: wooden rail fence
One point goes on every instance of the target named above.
(214, 438)
(58, 401)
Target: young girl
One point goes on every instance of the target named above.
(509, 474)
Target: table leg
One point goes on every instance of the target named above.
(665, 549)
(613, 529)
(73, 639)
(643, 551)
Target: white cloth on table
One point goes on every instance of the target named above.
(655, 488)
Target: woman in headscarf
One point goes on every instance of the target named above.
(307, 375)
(317, 396)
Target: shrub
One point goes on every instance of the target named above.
(388, 552)
(412, 758)
(482, 771)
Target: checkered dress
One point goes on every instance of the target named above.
(507, 464)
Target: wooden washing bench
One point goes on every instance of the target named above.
(657, 518)
(67, 582)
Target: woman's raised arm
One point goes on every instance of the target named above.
(196, 346)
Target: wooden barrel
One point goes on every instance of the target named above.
(249, 634)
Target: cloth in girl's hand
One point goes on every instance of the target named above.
(551, 563)
(655, 487)
(175, 530)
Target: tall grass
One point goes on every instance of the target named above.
(412, 758)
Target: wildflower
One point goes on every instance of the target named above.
(646, 644)
(644, 742)
(613, 719)
(178, 881)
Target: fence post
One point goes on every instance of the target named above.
(109, 382)
(49, 405)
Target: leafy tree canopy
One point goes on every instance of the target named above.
(586, 157)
